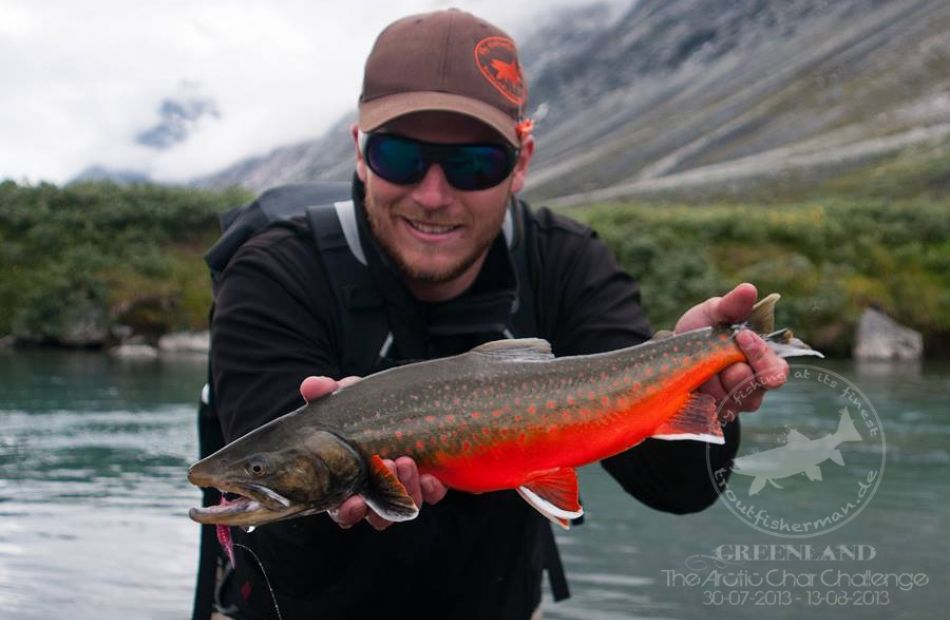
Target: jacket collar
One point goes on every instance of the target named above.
(484, 309)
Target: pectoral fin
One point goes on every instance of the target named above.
(697, 420)
(813, 473)
(554, 494)
(757, 485)
(386, 495)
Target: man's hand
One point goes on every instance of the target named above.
(769, 369)
(353, 510)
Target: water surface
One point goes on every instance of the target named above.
(93, 503)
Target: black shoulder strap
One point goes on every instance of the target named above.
(362, 310)
(276, 204)
(521, 244)
(525, 323)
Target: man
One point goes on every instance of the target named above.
(442, 146)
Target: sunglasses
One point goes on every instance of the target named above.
(467, 167)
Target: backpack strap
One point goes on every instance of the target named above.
(362, 308)
(525, 323)
(524, 320)
(276, 204)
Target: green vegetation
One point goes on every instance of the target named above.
(81, 259)
(829, 258)
(77, 260)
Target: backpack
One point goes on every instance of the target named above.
(332, 219)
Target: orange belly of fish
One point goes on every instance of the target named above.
(568, 437)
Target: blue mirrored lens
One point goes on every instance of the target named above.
(466, 166)
(396, 160)
(476, 166)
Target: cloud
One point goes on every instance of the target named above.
(83, 80)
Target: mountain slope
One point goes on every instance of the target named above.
(786, 79)
(690, 92)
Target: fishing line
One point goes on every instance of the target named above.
(273, 595)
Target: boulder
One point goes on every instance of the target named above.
(83, 324)
(185, 342)
(879, 337)
(134, 352)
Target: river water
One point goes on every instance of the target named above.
(93, 502)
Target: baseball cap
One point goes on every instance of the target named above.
(448, 61)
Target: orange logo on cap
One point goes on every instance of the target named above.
(498, 61)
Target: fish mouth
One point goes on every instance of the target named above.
(246, 505)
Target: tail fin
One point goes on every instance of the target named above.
(783, 342)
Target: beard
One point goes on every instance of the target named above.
(427, 273)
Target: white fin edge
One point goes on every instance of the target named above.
(694, 436)
(553, 513)
(390, 515)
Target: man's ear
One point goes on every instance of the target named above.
(521, 166)
(360, 162)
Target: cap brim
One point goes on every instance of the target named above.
(376, 113)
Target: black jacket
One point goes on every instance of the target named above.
(469, 556)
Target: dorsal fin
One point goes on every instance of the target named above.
(517, 348)
(796, 437)
(663, 334)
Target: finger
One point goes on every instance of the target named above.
(350, 512)
(714, 387)
(378, 523)
(737, 376)
(771, 371)
(348, 381)
(432, 489)
(736, 305)
(313, 388)
(408, 474)
(698, 316)
(751, 401)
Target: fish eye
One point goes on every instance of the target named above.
(256, 467)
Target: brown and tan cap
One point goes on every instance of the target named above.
(444, 61)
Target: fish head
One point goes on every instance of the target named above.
(266, 478)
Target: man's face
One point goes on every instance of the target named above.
(435, 233)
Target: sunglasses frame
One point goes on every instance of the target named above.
(436, 153)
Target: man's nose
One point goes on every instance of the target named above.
(433, 191)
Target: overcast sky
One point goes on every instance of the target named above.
(81, 79)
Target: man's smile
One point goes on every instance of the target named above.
(429, 231)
